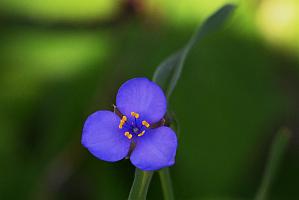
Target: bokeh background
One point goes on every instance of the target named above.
(62, 60)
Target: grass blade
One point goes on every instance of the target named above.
(277, 150)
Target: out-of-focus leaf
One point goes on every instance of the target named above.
(169, 71)
(277, 150)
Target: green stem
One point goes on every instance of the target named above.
(277, 149)
(140, 185)
(166, 184)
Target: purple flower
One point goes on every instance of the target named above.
(112, 137)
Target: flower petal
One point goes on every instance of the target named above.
(142, 96)
(155, 149)
(102, 137)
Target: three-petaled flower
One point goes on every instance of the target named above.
(111, 137)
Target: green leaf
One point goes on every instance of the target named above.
(169, 71)
(277, 150)
(140, 185)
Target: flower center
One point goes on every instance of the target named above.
(133, 126)
(135, 130)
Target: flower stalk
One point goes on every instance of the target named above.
(166, 184)
(140, 185)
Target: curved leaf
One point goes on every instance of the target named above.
(169, 71)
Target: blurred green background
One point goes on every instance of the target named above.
(62, 60)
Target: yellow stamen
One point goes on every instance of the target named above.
(141, 134)
(122, 122)
(128, 135)
(124, 118)
(136, 115)
(145, 123)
